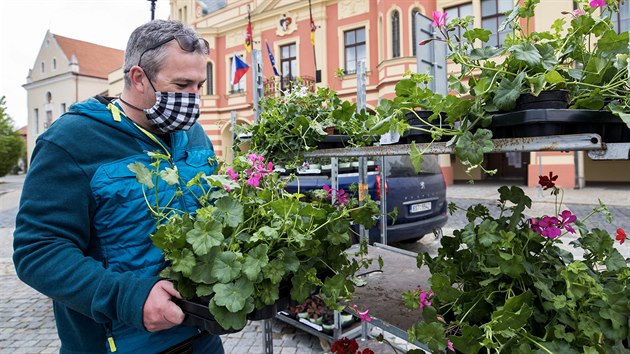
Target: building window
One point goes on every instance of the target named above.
(621, 19)
(354, 44)
(395, 34)
(63, 108)
(42, 67)
(209, 80)
(36, 120)
(288, 65)
(493, 13)
(48, 97)
(240, 86)
(54, 64)
(49, 119)
(414, 41)
(459, 11)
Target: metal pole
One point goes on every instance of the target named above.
(152, 9)
(258, 81)
(361, 101)
(233, 129)
(268, 336)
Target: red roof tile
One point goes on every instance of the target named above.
(94, 60)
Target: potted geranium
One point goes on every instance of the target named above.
(299, 120)
(251, 243)
(504, 283)
(581, 57)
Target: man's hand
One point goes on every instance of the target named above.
(159, 311)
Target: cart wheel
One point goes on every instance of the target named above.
(437, 232)
(325, 345)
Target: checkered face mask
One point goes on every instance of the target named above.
(173, 111)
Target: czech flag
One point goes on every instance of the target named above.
(239, 68)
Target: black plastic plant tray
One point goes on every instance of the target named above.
(544, 122)
(341, 141)
(421, 136)
(198, 315)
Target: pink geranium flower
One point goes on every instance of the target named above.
(597, 3)
(439, 19)
(233, 175)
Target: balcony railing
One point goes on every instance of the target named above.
(275, 85)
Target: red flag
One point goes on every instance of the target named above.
(313, 27)
(248, 35)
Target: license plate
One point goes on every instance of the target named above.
(416, 208)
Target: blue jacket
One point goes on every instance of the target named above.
(82, 230)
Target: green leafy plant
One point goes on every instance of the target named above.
(11, 144)
(504, 283)
(452, 116)
(581, 53)
(295, 122)
(250, 238)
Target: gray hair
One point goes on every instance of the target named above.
(145, 37)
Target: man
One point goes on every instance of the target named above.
(82, 231)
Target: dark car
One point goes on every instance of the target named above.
(420, 198)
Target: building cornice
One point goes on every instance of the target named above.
(58, 78)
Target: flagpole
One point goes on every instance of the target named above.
(310, 11)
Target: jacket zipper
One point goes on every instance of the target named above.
(110, 337)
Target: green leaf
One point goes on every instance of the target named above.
(469, 341)
(170, 176)
(274, 271)
(202, 271)
(416, 157)
(560, 332)
(615, 261)
(484, 53)
(613, 43)
(487, 233)
(431, 334)
(226, 267)
(255, 260)
(514, 314)
(205, 235)
(228, 319)
(183, 261)
(265, 233)
(471, 147)
(477, 33)
(527, 53)
(508, 92)
(301, 287)
(230, 211)
(143, 174)
(233, 295)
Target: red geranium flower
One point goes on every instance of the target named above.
(547, 182)
(344, 346)
(621, 236)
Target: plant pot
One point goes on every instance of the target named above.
(317, 320)
(302, 315)
(344, 165)
(198, 315)
(346, 319)
(545, 122)
(552, 99)
(265, 313)
(328, 328)
(420, 136)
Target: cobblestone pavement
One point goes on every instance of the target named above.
(26, 318)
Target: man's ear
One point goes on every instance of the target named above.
(136, 76)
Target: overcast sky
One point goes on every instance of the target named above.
(23, 25)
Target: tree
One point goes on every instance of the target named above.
(11, 144)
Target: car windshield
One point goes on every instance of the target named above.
(401, 166)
